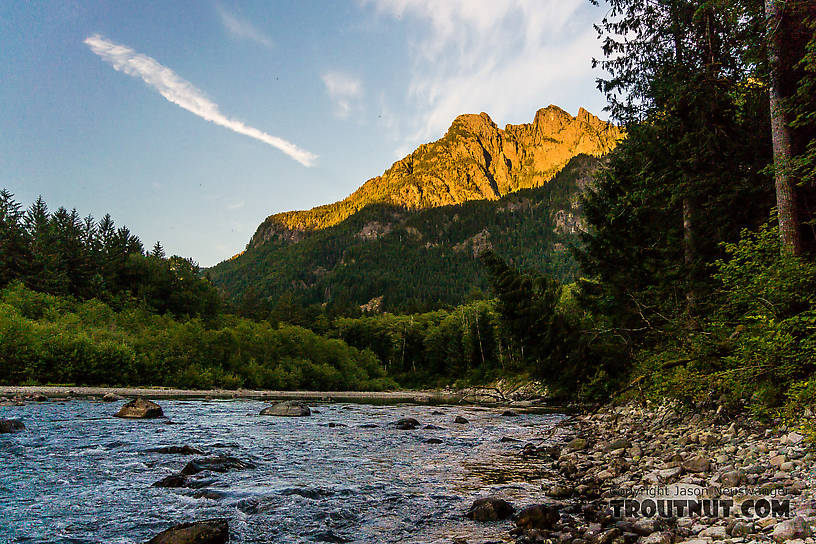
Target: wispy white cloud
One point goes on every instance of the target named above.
(504, 57)
(344, 90)
(184, 94)
(235, 205)
(241, 28)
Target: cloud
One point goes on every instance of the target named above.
(241, 28)
(235, 205)
(184, 94)
(507, 58)
(344, 90)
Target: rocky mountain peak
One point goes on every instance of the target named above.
(474, 160)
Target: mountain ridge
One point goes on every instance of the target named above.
(474, 160)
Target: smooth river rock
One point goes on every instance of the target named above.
(289, 408)
(176, 450)
(407, 424)
(11, 426)
(796, 528)
(490, 509)
(538, 516)
(211, 531)
(140, 409)
(215, 464)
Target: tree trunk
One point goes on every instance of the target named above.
(689, 251)
(786, 195)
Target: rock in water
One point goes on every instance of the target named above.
(11, 426)
(290, 408)
(215, 464)
(490, 509)
(407, 424)
(110, 397)
(174, 480)
(176, 450)
(460, 419)
(140, 409)
(211, 531)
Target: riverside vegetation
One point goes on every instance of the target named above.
(683, 267)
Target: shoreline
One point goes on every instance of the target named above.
(464, 397)
(385, 397)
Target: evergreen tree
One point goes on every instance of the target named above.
(158, 251)
(14, 242)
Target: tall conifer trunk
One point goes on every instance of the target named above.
(689, 252)
(786, 194)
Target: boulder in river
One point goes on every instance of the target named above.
(174, 480)
(215, 464)
(11, 426)
(140, 409)
(406, 424)
(289, 408)
(490, 509)
(176, 450)
(461, 420)
(110, 397)
(211, 531)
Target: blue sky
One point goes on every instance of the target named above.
(190, 122)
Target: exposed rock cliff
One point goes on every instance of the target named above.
(474, 160)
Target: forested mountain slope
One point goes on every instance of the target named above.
(416, 259)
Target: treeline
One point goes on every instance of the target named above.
(50, 339)
(63, 254)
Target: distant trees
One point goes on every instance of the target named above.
(61, 253)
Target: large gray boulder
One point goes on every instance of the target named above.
(211, 531)
(140, 409)
(289, 408)
(11, 426)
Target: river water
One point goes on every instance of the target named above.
(79, 475)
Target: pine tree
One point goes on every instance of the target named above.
(14, 241)
(158, 251)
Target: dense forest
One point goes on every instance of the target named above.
(688, 270)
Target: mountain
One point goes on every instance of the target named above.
(474, 160)
(389, 258)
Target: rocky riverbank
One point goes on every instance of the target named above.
(639, 474)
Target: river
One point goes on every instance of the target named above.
(79, 475)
